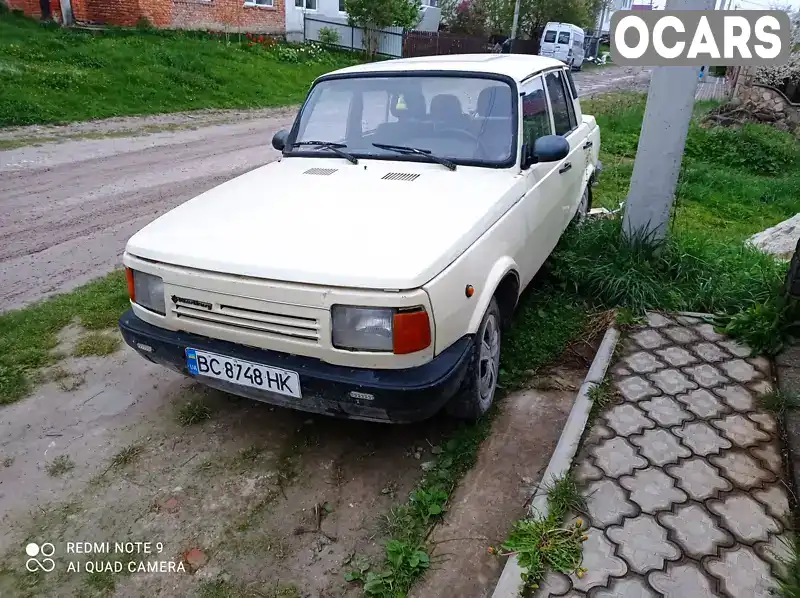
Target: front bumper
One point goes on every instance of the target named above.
(397, 396)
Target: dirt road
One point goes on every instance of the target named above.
(69, 204)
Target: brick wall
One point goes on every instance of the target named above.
(228, 15)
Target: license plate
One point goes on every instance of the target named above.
(246, 373)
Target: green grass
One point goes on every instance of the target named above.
(59, 466)
(96, 343)
(541, 542)
(53, 75)
(193, 412)
(27, 336)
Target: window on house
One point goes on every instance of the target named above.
(259, 2)
(307, 4)
(563, 110)
(341, 6)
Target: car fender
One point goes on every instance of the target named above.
(497, 273)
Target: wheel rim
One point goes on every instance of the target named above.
(489, 362)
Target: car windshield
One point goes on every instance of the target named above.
(467, 119)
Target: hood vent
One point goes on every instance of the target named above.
(321, 171)
(400, 176)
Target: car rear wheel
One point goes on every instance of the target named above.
(479, 387)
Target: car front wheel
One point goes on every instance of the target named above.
(479, 387)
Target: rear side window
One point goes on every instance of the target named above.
(561, 103)
(550, 37)
(563, 37)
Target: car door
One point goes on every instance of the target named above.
(570, 170)
(542, 204)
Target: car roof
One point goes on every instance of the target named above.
(516, 66)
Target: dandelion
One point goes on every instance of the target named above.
(579, 523)
(579, 573)
(584, 538)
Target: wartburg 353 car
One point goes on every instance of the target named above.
(369, 273)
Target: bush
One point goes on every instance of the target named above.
(144, 24)
(329, 35)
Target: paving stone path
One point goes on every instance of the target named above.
(683, 474)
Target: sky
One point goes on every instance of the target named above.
(743, 4)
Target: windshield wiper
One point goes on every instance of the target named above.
(331, 145)
(415, 151)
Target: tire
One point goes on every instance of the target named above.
(476, 394)
(583, 207)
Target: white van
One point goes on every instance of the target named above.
(564, 42)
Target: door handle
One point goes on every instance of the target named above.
(587, 145)
(565, 168)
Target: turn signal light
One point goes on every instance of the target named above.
(411, 332)
(131, 287)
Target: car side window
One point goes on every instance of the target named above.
(535, 114)
(561, 103)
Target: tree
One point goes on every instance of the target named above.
(372, 15)
(469, 19)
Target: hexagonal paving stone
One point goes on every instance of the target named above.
(707, 332)
(643, 362)
(620, 372)
(740, 430)
(682, 581)
(761, 364)
(660, 447)
(665, 411)
(617, 457)
(626, 419)
(738, 349)
(635, 388)
(607, 504)
(777, 551)
(672, 381)
(702, 403)
(628, 587)
(600, 561)
(554, 584)
(776, 500)
(652, 489)
(656, 320)
(761, 387)
(679, 334)
(738, 397)
(695, 531)
(710, 352)
(676, 356)
(597, 433)
(740, 370)
(706, 375)
(649, 339)
(699, 479)
(744, 517)
(769, 454)
(742, 469)
(742, 573)
(702, 438)
(643, 544)
(585, 472)
(765, 420)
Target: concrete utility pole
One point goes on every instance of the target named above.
(514, 24)
(658, 159)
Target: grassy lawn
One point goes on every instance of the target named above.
(51, 75)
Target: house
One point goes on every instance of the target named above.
(603, 25)
(304, 18)
(258, 16)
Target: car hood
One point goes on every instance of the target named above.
(377, 225)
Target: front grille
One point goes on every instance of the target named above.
(271, 324)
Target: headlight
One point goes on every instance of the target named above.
(146, 290)
(380, 329)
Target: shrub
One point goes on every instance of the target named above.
(144, 24)
(329, 35)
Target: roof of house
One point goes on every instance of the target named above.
(516, 66)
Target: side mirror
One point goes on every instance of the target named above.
(279, 139)
(550, 148)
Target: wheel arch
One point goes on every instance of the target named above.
(503, 284)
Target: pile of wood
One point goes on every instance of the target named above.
(748, 111)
